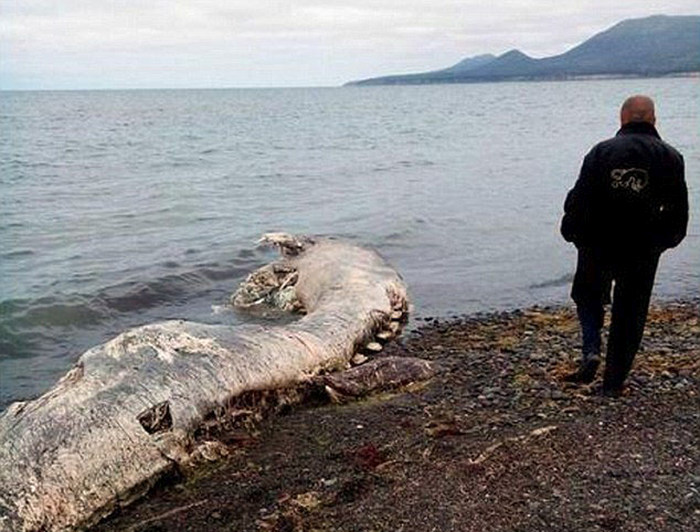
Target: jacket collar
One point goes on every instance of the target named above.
(644, 128)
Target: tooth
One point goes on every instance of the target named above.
(359, 359)
(333, 395)
(374, 346)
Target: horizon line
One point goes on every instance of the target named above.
(358, 84)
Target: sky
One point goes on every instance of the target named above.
(115, 44)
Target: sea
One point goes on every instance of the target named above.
(121, 208)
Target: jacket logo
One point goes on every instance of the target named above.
(635, 179)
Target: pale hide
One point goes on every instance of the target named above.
(125, 415)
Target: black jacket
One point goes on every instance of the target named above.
(630, 196)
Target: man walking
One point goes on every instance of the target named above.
(629, 204)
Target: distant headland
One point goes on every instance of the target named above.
(659, 45)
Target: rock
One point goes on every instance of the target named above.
(308, 501)
(557, 395)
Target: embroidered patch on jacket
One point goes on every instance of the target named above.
(634, 179)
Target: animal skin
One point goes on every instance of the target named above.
(125, 415)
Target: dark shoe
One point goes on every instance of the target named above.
(585, 373)
(612, 381)
(612, 392)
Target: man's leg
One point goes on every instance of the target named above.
(634, 281)
(590, 317)
(591, 290)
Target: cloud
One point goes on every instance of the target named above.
(63, 43)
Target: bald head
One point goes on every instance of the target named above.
(637, 108)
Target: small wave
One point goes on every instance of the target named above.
(12, 225)
(23, 344)
(553, 283)
(405, 236)
(182, 163)
(382, 168)
(395, 239)
(86, 310)
(17, 254)
(26, 314)
(174, 288)
(415, 163)
(247, 253)
(124, 216)
(40, 164)
(13, 164)
(270, 175)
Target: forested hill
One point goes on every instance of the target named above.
(652, 46)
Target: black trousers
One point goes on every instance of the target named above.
(633, 276)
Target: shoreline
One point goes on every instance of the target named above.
(494, 442)
(692, 74)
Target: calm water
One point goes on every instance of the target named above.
(121, 208)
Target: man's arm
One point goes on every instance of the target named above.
(577, 220)
(675, 208)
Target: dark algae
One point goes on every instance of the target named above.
(495, 441)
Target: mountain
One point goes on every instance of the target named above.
(470, 63)
(651, 46)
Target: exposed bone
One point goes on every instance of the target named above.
(271, 286)
(259, 287)
(125, 416)
(396, 315)
(289, 280)
(385, 335)
(289, 245)
(211, 451)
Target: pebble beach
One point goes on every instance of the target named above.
(495, 441)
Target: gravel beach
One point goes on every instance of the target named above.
(494, 442)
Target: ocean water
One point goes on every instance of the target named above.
(119, 208)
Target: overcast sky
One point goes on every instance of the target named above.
(72, 44)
